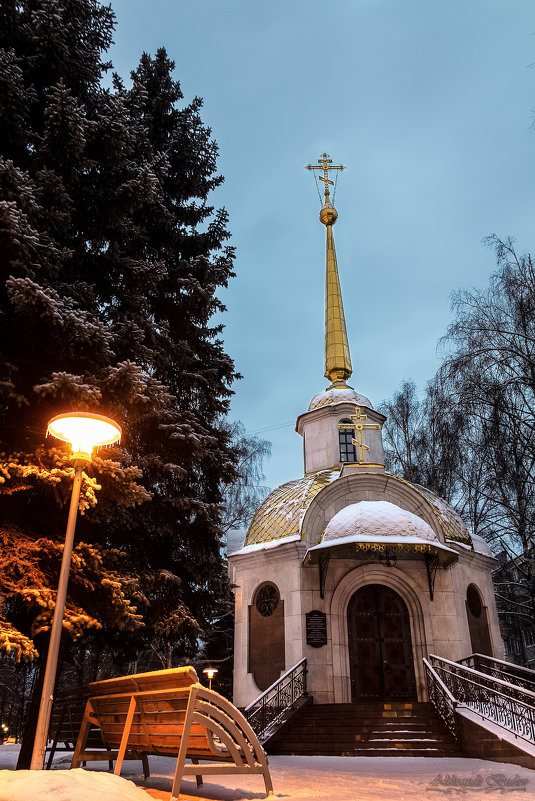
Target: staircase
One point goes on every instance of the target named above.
(365, 729)
(485, 710)
(489, 706)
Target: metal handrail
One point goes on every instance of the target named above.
(507, 671)
(508, 706)
(268, 710)
(484, 679)
(275, 683)
(487, 658)
(441, 698)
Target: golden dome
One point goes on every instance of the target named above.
(280, 515)
(451, 523)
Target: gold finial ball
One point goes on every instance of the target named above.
(328, 214)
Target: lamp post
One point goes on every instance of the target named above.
(83, 431)
(210, 672)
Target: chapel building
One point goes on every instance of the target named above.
(356, 569)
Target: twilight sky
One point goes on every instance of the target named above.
(429, 106)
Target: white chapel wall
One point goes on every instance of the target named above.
(281, 566)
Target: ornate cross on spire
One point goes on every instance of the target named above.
(325, 164)
(358, 419)
(337, 358)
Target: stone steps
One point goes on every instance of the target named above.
(368, 729)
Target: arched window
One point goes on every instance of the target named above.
(346, 435)
(266, 635)
(478, 625)
(473, 601)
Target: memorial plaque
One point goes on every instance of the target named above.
(316, 628)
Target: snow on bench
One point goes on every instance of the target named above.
(169, 713)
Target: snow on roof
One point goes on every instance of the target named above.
(264, 546)
(235, 539)
(480, 546)
(377, 518)
(330, 397)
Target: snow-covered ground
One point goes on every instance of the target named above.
(294, 779)
(63, 785)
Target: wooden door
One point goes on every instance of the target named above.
(380, 647)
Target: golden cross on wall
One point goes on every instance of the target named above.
(358, 419)
(325, 164)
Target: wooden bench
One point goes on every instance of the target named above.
(65, 720)
(168, 713)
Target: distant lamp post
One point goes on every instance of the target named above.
(83, 431)
(210, 672)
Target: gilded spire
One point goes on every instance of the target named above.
(337, 358)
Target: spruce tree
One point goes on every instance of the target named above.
(111, 259)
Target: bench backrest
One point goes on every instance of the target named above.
(161, 702)
(154, 680)
(157, 724)
(155, 718)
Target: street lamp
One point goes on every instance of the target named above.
(210, 672)
(83, 431)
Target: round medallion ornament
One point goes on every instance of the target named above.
(388, 557)
(267, 599)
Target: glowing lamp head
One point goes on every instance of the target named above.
(210, 672)
(84, 431)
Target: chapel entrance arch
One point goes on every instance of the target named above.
(380, 645)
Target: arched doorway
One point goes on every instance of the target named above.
(380, 646)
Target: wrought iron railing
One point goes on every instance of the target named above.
(268, 710)
(514, 674)
(441, 698)
(509, 706)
